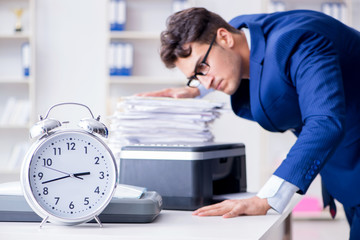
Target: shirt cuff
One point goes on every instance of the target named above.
(203, 91)
(278, 193)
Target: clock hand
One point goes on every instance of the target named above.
(70, 175)
(56, 170)
(55, 179)
(81, 174)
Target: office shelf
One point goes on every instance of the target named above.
(22, 36)
(15, 80)
(15, 118)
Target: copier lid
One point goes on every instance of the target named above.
(182, 151)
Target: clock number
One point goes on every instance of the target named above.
(97, 160)
(71, 205)
(45, 191)
(71, 146)
(102, 175)
(86, 201)
(57, 200)
(97, 190)
(57, 151)
(40, 175)
(85, 149)
(47, 162)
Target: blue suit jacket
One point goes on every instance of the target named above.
(305, 76)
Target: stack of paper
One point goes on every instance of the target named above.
(162, 120)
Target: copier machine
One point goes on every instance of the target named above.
(187, 176)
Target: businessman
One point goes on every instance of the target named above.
(296, 70)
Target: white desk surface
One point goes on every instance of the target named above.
(168, 225)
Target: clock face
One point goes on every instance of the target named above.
(72, 175)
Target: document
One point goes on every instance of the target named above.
(162, 120)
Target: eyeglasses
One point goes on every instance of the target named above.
(202, 69)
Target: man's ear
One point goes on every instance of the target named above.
(224, 38)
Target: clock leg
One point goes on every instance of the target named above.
(43, 221)
(98, 221)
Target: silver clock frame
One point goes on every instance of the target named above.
(28, 193)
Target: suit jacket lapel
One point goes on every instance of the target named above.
(257, 54)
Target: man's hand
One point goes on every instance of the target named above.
(184, 92)
(234, 208)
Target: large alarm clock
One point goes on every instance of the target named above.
(69, 175)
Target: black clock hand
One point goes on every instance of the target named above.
(81, 174)
(75, 175)
(55, 179)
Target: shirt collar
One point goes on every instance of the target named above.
(247, 36)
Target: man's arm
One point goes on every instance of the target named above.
(316, 75)
(184, 92)
(275, 194)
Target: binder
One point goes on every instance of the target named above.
(117, 15)
(326, 8)
(16, 112)
(335, 10)
(121, 59)
(25, 56)
(344, 13)
(179, 5)
(128, 61)
(7, 112)
(277, 6)
(112, 59)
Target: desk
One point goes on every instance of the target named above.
(168, 225)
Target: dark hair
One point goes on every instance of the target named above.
(190, 25)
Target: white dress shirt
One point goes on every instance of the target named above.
(278, 193)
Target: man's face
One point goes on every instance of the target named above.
(225, 64)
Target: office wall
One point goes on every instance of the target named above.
(71, 52)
